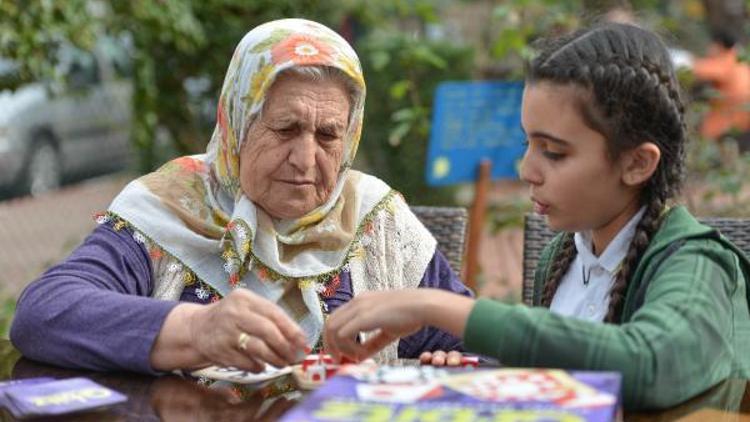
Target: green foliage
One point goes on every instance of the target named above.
(7, 309)
(8, 354)
(176, 40)
(717, 177)
(402, 73)
(383, 13)
(716, 172)
(402, 69)
(21, 36)
(173, 40)
(518, 22)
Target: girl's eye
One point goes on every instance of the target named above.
(554, 156)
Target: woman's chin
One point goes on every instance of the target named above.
(289, 211)
(285, 214)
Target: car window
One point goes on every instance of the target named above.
(78, 67)
(83, 71)
(9, 76)
(115, 52)
(7, 67)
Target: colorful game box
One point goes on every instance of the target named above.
(415, 393)
(48, 397)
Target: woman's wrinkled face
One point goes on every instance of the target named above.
(573, 181)
(291, 157)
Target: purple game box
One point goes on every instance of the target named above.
(370, 392)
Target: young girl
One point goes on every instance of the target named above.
(631, 284)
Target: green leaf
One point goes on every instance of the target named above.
(426, 11)
(424, 54)
(398, 133)
(510, 40)
(501, 12)
(399, 89)
(380, 59)
(7, 309)
(744, 55)
(404, 114)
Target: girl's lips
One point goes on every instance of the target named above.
(540, 208)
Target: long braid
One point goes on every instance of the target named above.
(644, 231)
(559, 267)
(630, 95)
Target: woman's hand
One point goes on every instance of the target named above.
(440, 358)
(242, 330)
(392, 314)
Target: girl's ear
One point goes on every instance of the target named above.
(639, 164)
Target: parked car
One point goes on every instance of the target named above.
(54, 132)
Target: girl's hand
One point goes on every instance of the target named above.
(440, 358)
(391, 314)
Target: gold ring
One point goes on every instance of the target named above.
(242, 341)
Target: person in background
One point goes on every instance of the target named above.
(235, 257)
(632, 283)
(729, 111)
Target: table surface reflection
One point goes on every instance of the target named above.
(173, 398)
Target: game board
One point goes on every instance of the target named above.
(371, 392)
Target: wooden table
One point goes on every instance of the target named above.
(173, 398)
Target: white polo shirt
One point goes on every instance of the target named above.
(584, 290)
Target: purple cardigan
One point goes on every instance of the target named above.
(93, 310)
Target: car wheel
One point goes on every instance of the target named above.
(43, 172)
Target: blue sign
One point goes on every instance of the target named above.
(472, 121)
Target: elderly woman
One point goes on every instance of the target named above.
(236, 256)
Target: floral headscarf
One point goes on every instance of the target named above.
(194, 210)
(261, 55)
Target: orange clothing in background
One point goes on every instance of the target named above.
(731, 78)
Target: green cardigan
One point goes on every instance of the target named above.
(691, 331)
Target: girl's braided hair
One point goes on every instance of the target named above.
(629, 94)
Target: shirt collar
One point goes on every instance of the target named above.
(615, 251)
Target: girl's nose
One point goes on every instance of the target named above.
(528, 171)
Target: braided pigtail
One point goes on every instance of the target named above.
(644, 231)
(560, 266)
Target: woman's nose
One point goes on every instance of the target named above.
(302, 155)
